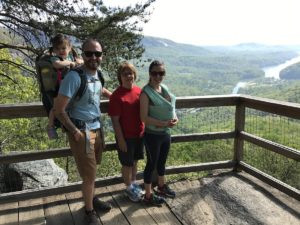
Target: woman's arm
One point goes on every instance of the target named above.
(144, 108)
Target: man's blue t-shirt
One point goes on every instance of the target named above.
(87, 108)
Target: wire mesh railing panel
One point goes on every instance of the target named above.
(278, 166)
(28, 135)
(203, 120)
(279, 129)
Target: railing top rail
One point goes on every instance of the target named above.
(35, 109)
(282, 108)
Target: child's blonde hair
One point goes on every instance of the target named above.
(122, 67)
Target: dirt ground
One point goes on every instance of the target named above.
(230, 198)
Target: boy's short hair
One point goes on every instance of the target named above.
(122, 67)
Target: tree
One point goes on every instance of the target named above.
(30, 24)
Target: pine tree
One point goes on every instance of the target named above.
(30, 24)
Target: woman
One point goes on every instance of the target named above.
(157, 110)
(124, 110)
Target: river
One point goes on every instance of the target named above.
(272, 71)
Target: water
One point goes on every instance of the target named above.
(272, 71)
(238, 86)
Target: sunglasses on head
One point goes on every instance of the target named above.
(158, 73)
(90, 53)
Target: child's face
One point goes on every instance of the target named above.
(62, 50)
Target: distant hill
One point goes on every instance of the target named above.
(204, 70)
(166, 47)
(291, 73)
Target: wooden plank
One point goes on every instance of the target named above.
(202, 136)
(272, 146)
(9, 213)
(35, 193)
(199, 167)
(76, 206)
(239, 127)
(134, 212)
(57, 210)
(285, 188)
(36, 109)
(31, 212)
(43, 154)
(30, 110)
(23, 110)
(162, 215)
(115, 215)
(287, 109)
(64, 152)
(206, 101)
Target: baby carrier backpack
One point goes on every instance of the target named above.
(49, 80)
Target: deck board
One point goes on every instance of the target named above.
(57, 210)
(76, 206)
(9, 213)
(218, 199)
(115, 215)
(134, 212)
(31, 212)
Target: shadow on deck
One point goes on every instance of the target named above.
(222, 198)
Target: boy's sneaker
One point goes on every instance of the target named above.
(51, 131)
(133, 194)
(92, 218)
(165, 191)
(138, 189)
(154, 200)
(101, 205)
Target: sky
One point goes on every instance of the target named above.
(223, 22)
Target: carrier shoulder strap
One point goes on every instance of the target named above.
(83, 82)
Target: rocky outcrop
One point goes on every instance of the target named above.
(31, 174)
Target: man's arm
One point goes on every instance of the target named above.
(60, 113)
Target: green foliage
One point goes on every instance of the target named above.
(291, 72)
(28, 26)
(194, 70)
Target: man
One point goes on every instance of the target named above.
(83, 125)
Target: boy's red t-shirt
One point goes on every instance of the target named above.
(125, 103)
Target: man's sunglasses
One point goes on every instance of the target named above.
(158, 73)
(90, 54)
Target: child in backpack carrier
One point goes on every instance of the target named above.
(62, 60)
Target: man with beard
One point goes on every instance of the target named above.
(82, 123)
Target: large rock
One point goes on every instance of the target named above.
(31, 174)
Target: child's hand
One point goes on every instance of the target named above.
(78, 61)
(72, 65)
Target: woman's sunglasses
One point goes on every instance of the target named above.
(158, 73)
(90, 54)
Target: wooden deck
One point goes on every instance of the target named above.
(217, 199)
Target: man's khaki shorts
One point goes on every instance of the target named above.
(86, 162)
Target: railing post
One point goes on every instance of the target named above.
(238, 141)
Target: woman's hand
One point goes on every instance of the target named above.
(173, 122)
